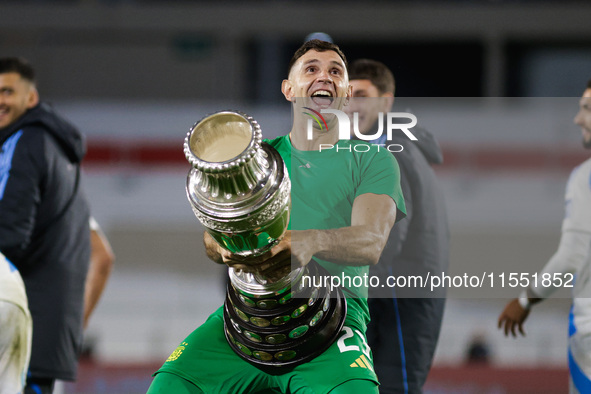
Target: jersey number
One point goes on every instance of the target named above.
(348, 348)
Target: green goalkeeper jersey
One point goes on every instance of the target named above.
(324, 184)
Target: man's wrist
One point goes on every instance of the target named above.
(315, 241)
(523, 300)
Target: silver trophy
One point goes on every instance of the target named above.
(239, 189)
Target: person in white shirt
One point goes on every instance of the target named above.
(16, 329)
(572, 257)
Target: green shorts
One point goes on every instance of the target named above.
(206, 360)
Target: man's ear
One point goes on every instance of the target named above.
(348, 95)
(32, 98)
(287, 90)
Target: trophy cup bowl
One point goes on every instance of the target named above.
(239, 189)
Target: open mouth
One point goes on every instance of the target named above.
(322, 97)
(3, 112)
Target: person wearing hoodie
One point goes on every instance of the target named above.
(405, 322)
(44, 222)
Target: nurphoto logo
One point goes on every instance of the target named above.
(344, 124)
(317, 116)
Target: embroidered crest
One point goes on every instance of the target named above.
(177, 352)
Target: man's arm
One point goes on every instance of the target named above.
(372, 217)
(22, 168)
(362, 243)
(571, 254)
(101, 264)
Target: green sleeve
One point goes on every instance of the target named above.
(167, 383)
(380, 174)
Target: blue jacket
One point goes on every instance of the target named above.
(44, 231)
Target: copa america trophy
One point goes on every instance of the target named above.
(239, 189)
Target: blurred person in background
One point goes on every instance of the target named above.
(404, 327)
(478, 350)
(16, 330)
(572, 257)
(44, 224)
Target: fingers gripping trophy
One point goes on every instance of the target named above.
(239, 189)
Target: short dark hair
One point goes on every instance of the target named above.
(377, 73)
(17, 65)
(589, 84)
(315, 45)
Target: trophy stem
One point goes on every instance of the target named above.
(258, 286)
(287, 328)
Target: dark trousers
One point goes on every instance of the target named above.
(403, 335)
(39, 386)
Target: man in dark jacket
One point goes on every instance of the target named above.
(405, 321)
(44, 221)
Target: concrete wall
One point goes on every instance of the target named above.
(206, 49)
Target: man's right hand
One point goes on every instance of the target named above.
(273, 265)
(513, 316)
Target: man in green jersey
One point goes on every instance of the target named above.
(345, 199)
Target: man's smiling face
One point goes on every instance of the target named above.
(319, 76)
(17, 95)
(368, 102)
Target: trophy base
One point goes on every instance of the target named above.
(284, 329)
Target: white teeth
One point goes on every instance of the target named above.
(323, 93)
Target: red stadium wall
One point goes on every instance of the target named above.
(489, 380)
(476, 158)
